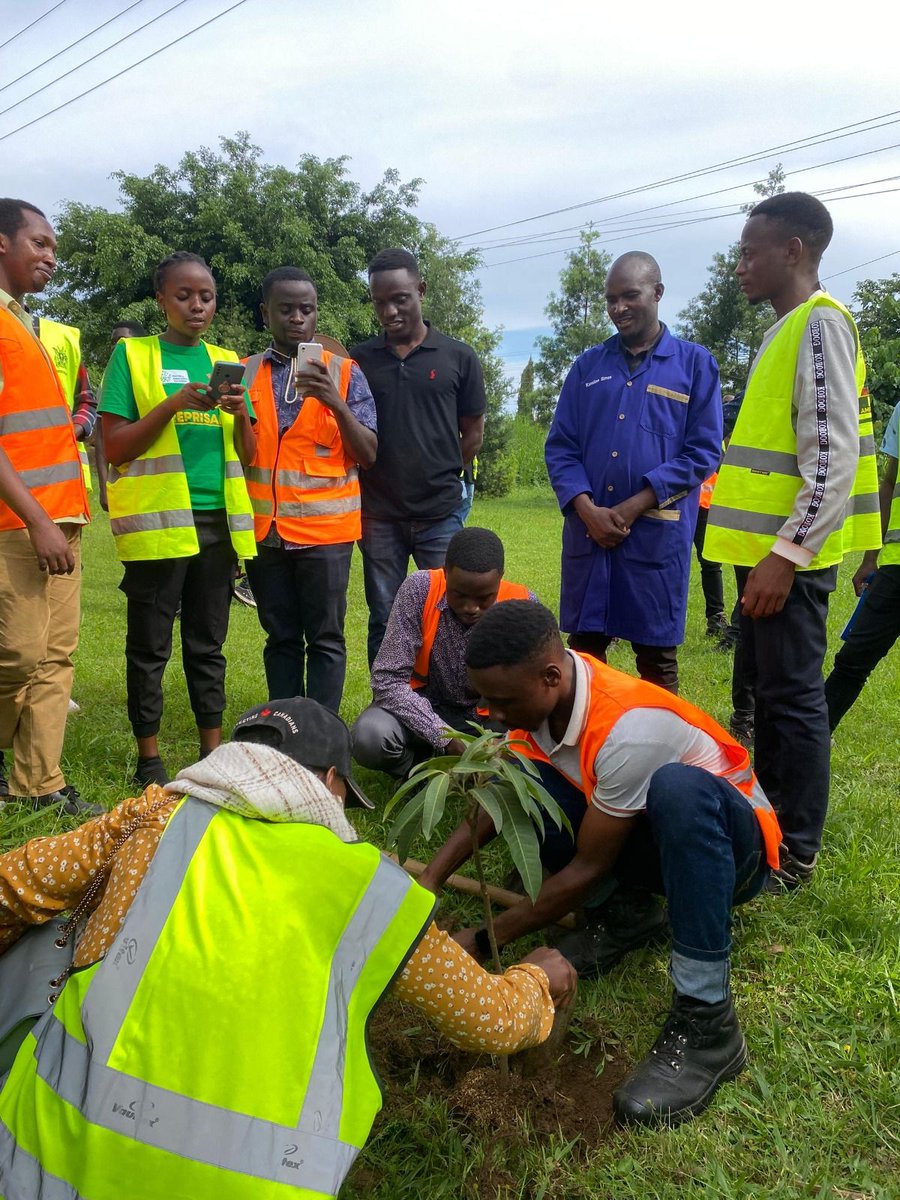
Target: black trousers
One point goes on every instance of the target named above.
(710, 572)
(874, 632)
(655, 664)
(301, 601)
(792, 754)
(154, 589)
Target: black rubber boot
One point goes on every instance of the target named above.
(150, 770)
(628, 920)
(700, 1046)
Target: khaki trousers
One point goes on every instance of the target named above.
(39, 615)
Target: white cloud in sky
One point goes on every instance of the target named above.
(505, 109)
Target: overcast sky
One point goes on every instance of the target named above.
(507, 110)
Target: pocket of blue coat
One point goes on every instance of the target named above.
(664, 411)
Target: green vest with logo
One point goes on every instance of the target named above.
(63, 344)
(219, 1050)
(759, 478)
(149, 501)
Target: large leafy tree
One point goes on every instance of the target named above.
(877, 310)
(577, 314)
(246, 216)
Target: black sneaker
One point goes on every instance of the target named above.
(628, 920)
(69, 801)
(792, 872)
(700, 1046)
(729, 639)
(742, 729)
(150, 770)
(716, 626)
(242, 592)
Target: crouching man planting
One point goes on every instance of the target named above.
(662, 802)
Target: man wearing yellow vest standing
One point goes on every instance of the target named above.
(315, 428)
(877, 624)
(419, 684)
(42, 508)
(797, 490)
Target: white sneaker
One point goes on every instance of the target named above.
(74, 707)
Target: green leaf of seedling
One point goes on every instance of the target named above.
(435, 800)
(549, 805)
(406, 826)
(518, 782)
(488, 799)
(527, 764)
(521, 838)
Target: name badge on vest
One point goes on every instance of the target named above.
(174, 377)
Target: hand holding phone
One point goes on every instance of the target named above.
(225, 376)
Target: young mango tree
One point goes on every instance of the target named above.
(492, 775)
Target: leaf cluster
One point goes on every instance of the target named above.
(492, 774)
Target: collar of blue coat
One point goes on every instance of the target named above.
(664, 348)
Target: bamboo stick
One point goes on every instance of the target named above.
(471, 887)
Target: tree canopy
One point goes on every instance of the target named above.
(577, 314)
(245, 217)
(876, 306)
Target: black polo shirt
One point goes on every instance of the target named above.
(420, 400)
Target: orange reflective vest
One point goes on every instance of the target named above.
(613, 694)
(305, 481)
(431, 615)
(36, 428)
(706, 490)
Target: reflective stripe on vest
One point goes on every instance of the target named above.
(149, 499)
(63, 344)
(431, 616)
(759, 479)
(36, 429)
(890, 555)
(95, 1095)
(613, 694)
(302, 479)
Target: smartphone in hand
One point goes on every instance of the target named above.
(224, 374)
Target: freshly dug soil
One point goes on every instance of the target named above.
(571, 1096)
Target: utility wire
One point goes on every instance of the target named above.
(71, 46)
(738, 186)
(868, 263)
(99, 54)
(743, 160)
(36, 21)
(124, 71)
(665, 228)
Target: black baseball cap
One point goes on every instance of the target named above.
(310, 734)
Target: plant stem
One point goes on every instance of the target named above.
(472, 818)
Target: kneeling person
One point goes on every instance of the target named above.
(419, 682)
(659, 796)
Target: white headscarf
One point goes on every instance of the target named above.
(260, 782)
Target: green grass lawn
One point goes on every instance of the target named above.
(816, 974)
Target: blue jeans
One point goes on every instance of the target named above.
(386, 549)
(699, 844)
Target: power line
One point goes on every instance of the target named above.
(847, 270)
(71, 46)
(124, 71)
(99, 54)
(743, 160)
(670, 226)
(36, 21)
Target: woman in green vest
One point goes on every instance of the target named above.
(178, 503)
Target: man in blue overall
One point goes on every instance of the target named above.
(637, 429)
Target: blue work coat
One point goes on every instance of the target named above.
(612, 435)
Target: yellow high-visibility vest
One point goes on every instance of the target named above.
(149, 501)
(759, 478)
(219, 1050)
(63, 344)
